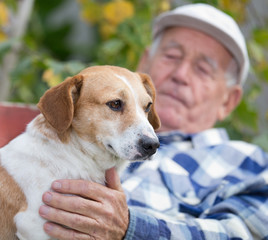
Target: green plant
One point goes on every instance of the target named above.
(121, 30)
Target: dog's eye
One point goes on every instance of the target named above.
(148, 108)
(116, 105)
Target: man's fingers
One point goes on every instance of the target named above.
(58, 232)
(73, 204)
(71, 220)
(92, 209)
(87, 189)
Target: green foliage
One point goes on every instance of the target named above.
(262, 140)
(125, 48)
(46, 58)
(6, 46)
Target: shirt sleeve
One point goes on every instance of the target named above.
(143, 226)
(243, 215)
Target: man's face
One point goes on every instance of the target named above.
(188, 70)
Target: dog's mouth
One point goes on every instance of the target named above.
(110, 147)
(144, 149)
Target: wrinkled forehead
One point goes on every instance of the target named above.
(191, 41)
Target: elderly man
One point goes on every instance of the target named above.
(200, 185)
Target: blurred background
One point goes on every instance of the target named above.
(43, 42)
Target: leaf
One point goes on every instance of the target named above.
(262, 141)
(90, 11)
(246, 116)
(19, 71)
(261, 36)
(264, 73)
(12, 4)
(51, 78)
(6, 46)
(256, 51)
(73, 67)
(252, 93)
(112, 47)
(56, 66)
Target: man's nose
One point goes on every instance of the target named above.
(181, 73)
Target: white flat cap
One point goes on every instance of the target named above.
(213, 22)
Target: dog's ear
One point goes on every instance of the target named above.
(57, 104)
(152, 116)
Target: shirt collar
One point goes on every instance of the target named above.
(207, 138)
(173, 136)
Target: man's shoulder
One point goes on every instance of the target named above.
(214, 141)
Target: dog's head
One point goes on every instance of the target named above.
(108, 106)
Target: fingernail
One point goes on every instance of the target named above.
(44, 210)
(48, 227)
(47, 197)
(56, 185)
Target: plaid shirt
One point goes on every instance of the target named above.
(202, 186)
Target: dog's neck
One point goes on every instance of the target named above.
(88, 154)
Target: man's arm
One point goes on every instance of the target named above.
(102, 213)
(241, 213)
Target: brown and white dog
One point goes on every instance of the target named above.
(89, 123)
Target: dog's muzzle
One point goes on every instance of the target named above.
(147, 147)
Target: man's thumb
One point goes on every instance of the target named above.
(113, 180)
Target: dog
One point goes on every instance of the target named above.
(101, 118)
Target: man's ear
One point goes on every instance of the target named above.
(57, 104)
(152, 115)
(231, 100)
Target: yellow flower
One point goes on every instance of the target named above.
(51, 78)
(3, 14)
(117, 11)
(106, 30)
(131, 57)
(91, 12)
(237, 8)
(3, 36)
(164, 5)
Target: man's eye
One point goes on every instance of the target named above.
(173, 54)
(172, 57)
(116, 105)
(203, 70)
(148, 107)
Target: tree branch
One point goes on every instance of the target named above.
(18, 27)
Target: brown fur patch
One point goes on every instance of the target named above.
(152, 116)
(12, 200)
(57, 104)
(49, 132)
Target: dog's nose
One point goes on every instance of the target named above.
(149, 145)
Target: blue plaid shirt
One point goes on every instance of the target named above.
(200, 186)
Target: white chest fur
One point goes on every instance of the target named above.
(34, 162)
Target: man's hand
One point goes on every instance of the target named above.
(93, 212)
